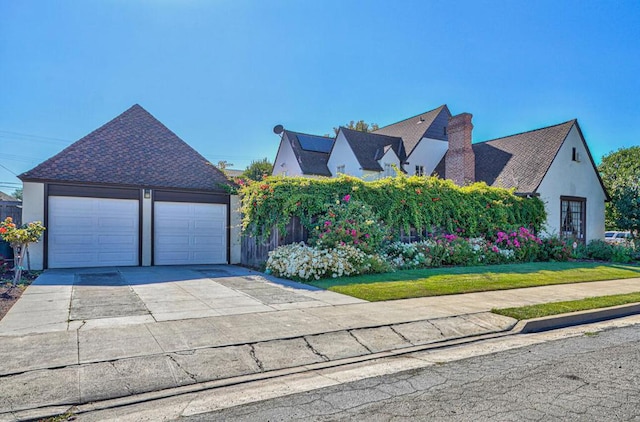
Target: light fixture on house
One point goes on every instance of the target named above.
(147, 193)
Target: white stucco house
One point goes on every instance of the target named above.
(553, 163)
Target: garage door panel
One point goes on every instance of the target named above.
(189, 233)
(92, 232)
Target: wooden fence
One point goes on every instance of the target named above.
(11, 209)
(255, 253)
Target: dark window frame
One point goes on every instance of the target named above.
(573, 208)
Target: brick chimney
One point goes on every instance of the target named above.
(460, 162)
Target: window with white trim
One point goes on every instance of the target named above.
(419, 170)
(340, 169)
(388, 170)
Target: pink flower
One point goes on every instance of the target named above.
(366, 236)
(494, 249)
(346, 198)
(516, 243)
(353, 232)
(327, 223)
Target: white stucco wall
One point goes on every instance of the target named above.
(286, 161)
(427, 153)
(389, 158)
(147, 238)
(236, 228)
(343, 155)
(570, 178)
(33, 210)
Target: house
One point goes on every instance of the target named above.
(553, 163)
(415, 146)
(130, 193)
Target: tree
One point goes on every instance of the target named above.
(19, 239)
(223, 165)
(258, 169)
(17, 194)
(360, 125)
(620, 172)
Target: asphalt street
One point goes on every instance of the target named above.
(593, 377)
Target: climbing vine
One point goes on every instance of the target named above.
(426, 204)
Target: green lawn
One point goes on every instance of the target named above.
(454, 280)
(546, 309)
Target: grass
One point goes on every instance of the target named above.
(546, 309)
(455, 280)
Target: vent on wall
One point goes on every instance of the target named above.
(575, 155)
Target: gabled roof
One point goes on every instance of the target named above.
(518, 161)
(311, 161)
(370, 147)
(133, 149)
(8, 198)
(413, 129)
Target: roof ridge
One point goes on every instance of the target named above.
(412, 117)
(395, 138)
(527, 131)
(309, 134)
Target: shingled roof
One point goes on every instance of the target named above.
(311, 162)
(370, 147)
(8, 198)
(413, 129)
(134, 149)
(518, 161)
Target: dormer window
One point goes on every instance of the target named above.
(388, 170)
(419, 170)
(340, 169)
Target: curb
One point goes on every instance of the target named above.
(521, 327)
(554, 322)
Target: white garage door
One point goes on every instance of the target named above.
(189, 233)
(92, 232)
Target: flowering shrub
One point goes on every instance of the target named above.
(19, 239)
(348, 222)
(525, 246)
(303, 262)
(554, 249)
(299, 261)
(401, 202)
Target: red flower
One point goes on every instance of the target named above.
(418, 191)
(435, 199)
(3, 230)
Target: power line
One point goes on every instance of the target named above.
(36, 137)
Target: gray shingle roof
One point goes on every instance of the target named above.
(370, 147)
(133, 149)
(518, 161)
(413, 129)
(9, 198)
(311, 162)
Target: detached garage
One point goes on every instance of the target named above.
(130, 193)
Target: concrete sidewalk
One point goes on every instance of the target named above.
(44, 371)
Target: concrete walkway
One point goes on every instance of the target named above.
(49, 371)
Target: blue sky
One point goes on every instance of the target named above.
(221, 74)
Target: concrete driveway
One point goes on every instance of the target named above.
(86, 298)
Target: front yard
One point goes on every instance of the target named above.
(404, 284)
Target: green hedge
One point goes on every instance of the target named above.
(423, 203)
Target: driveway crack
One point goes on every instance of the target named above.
(252, 353)
(400, 334)
(315, 352)
(358, 340)
(189, 374)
